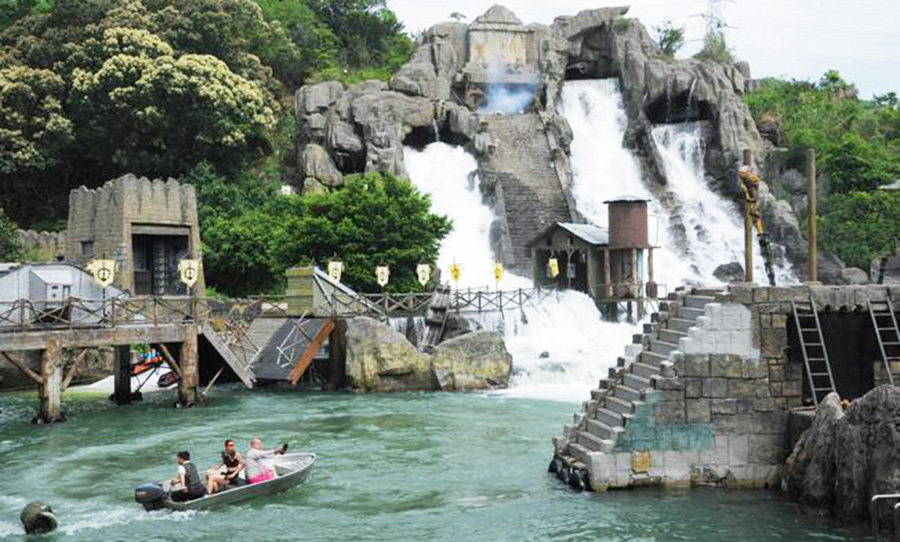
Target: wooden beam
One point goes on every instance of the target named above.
(169, 359)
(307, 357)
(93, 337)
(74, 368)
(24, 368)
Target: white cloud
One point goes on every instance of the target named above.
(799, 39)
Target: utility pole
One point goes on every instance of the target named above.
(748, 228)
(811, 207)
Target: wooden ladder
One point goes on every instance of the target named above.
(812, 345)
(887, 333)
(436, 318)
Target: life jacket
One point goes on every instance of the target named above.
(230, 461)
(192, 479)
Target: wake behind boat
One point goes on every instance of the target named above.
(292, 470)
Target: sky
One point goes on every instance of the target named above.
(789, 39)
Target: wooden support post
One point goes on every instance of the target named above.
(650, 264)
(607, 275)
(169, 359)
(73, 370)
(190, 368)
(122, 391)
(812, 205)
(51, 387)
(337, 355)
(748, 229)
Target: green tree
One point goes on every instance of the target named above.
(10, 248)
(669, 38)
(457, 16)
(715, 49)
(375, 219)
(860, 227)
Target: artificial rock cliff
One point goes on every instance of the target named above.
(443, 90)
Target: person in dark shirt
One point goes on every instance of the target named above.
(191, 487)
(228, 473)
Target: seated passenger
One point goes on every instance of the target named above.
(228, 472)
(257, 470)
(188, 478)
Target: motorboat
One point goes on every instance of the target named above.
(291, 470)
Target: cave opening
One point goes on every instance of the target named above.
(677, 108)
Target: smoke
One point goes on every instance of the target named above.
(503, 97)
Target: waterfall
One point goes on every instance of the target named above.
(560, 347)
(604, 169)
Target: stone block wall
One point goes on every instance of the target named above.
(724, 329)
(710, 421)
(49, 245)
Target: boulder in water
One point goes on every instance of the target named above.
(730, 272)
(38, 518)
(458, 325)
(854, 275)
(477, 360)
(845, 458)
(381, 359)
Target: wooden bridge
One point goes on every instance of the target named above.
(264, 337)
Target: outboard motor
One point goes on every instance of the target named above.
(150, 496)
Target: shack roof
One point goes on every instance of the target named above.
(626, 198)
(589, 233)
(892, 186)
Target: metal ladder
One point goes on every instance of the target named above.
(885, 322)
(815, 355)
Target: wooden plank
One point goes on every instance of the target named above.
(307, 357)
(24, 368)
(169, 359)
(93, 337)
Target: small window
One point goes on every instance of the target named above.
(87, 249)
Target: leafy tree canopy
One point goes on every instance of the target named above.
(252, 234)
(860, 227)
(669, 37)
(10, 248)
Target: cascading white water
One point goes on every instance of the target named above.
(713, 225)
(560, 347)
(603, 169)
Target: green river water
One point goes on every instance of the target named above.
(430, 466)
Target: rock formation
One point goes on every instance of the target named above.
(381, 359)
(442, 92)
(845, 458)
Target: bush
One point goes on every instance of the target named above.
(715, 49)
(860, 227)
(10, 247)
(669, 38)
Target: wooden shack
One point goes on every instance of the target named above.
(613, 265)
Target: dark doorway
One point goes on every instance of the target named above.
(852, 350)
(155, 259)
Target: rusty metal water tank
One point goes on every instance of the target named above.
(628, 222)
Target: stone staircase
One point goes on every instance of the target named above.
(605, 417)
(520, 169)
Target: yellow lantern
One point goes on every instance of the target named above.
(383, 274)
(553, 267)
(423, 271)
(498, 271)
(455, 271)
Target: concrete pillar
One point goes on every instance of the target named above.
(51, 387)
(188, 360)
(122, 391)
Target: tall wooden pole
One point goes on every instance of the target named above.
(748, 230)
(812, 207)
(122, 380)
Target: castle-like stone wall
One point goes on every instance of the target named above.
(47, 246)
(102, 220)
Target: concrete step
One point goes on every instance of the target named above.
(617, 404)
(688, 313)
(610, 417)
(594, 443)
(580, 453)
(680, 324)
(662, 347)
(646, 371)
(626, 392)
(670, 335)
(697, 301)
(652, 358)
(637, 382)
(603, 431)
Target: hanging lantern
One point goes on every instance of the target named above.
(423, 271)
(498, 271)
(455, 271)
(335, 269)
(553, 267)
(383, 274)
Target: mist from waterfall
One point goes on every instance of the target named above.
(604, 169)
(560, 347)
